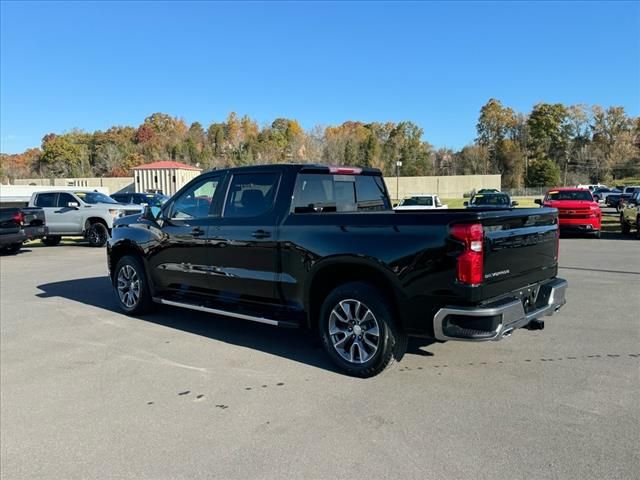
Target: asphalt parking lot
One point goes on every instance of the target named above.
(87, 392)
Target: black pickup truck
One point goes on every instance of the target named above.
(18, 225)
(321, 247)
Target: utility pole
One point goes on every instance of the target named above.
(398, 165)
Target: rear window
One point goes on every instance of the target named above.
(489, 199)
(339, 193)
(417, 202)
(570, 195)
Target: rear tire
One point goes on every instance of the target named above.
(51, 240)
(358, 332)
(13, 248)
(97, 235)
(131, 286)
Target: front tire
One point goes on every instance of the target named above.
(97, 235)
(358, 332)
(132, 287)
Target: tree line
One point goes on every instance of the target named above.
(551, 145)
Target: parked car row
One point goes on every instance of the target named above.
(80, 213)
(52, 215)
(617, 200)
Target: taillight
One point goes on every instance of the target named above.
(471, 261)
(345, 170)
(18, 217)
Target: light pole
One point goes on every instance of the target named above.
(398, 165)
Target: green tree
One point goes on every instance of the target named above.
(549, 132)
(543, 173)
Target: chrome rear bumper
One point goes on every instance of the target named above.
(497, 321)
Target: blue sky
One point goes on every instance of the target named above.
(93, 65)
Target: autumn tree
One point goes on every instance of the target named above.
(60, 157)
(494, 125)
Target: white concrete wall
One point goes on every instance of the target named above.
(112, 184)
(452, 186)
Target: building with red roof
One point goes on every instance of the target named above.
(165, 177)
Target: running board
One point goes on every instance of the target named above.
(215, 311)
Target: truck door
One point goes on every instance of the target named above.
(48, 203)
(244, 243)
(182, 262)
(67, 216)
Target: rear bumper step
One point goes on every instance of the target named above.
(495, 322)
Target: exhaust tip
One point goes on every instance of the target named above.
(507, 332)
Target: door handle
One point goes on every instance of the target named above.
(261, 234)
(197, 231)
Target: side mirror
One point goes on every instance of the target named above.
(466, 204)
(152, 213)
(395, 205)
(73, 204)
(538, 201)
(514, 204)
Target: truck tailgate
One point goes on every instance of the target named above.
(33, 216)
(520, 248)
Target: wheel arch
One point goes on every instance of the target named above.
(91, 220)
(123, 248)
(331, 273)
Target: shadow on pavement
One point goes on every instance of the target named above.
(295, 344)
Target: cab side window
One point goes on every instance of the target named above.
(64, 199)
(44, 200)
(196, 202)
(251, 194)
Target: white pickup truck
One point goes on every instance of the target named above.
(427, 201)
(80, 213)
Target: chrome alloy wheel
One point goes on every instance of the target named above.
(128, 286)
(354, 331)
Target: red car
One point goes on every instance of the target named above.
(577, 210)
